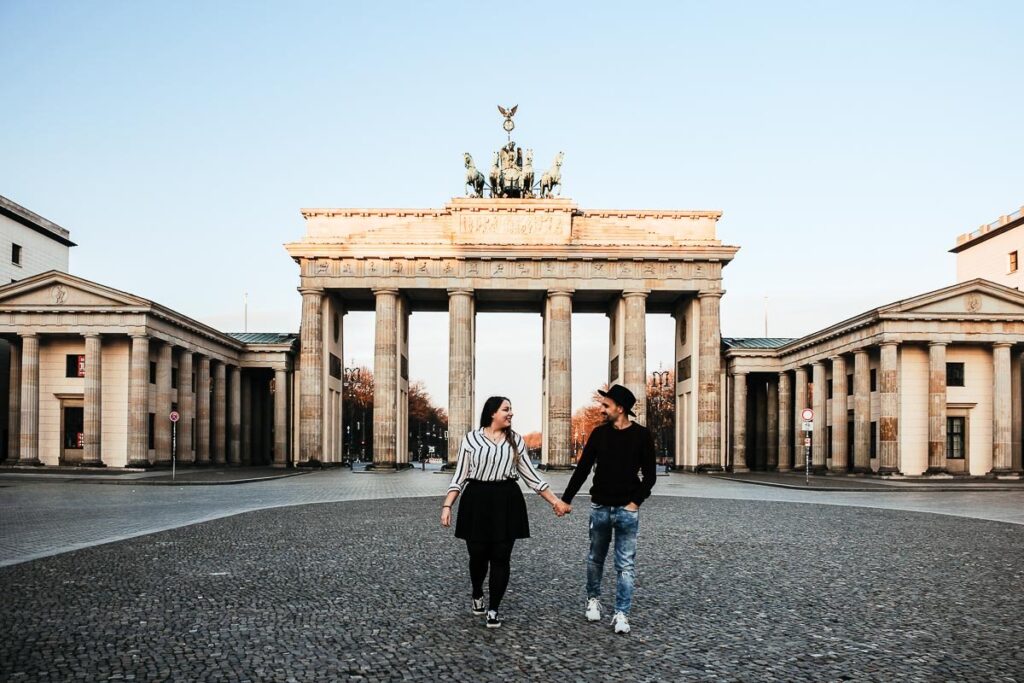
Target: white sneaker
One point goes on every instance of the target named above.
(593, 609)
(620, 622)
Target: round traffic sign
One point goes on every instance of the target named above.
(807, 414)
(175, 416)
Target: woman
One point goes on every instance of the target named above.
(492, 514)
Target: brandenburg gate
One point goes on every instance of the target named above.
(514, 252)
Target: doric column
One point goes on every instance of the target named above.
(280, 418)
(29, 400)
(138, 403)
(14, 405)
(799, 403)
(461, 367)
(861, 411)
(1002, 450)
(203, 411)
(709, 390)
(92, 399)
(385, 379)
(186, 407)
(220, 400)
(936, 407)
(245, 425)
(772, 425)
(840, 456)
(311, 376)
(235, 413)
(739, 422)
(634, 360)
(1016, 386)
(558, 354)
(164, 399)
(889, 409)
(819, 444)
(785, 422)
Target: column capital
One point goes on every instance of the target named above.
(140, 336)
(1001, 345)
(837, 357)
(889, 342)
(28, 335)
(708, 293)
(89, 335)
(379, 291)
(864, 349)
(736, 373)
(783, 373)
(561, 291)
(820, 361)
(938, 343)
(461, 291)
(311, 290)
(636, 293)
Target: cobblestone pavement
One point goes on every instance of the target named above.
(40, 518)
(728, 590)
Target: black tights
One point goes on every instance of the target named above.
(499, 556)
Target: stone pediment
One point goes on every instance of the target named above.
(55, 288)
(975, 298)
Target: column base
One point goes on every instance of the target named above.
(1007, 473)
(279, 465)
(936, 470)
(92, 463)
(887, 470)
(142, 464)
(29, 462)
(739, 469)
(783, 470)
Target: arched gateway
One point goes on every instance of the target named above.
(524, 254)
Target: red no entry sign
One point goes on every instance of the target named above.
(175, 416)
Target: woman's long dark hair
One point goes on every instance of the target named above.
(491, 407)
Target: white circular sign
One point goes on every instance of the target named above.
(175, 416)
(807, 414)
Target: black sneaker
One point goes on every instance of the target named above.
(478, 606)
(492, 619)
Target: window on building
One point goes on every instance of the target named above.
(874, 380)
(193, 382)
(849, 385)
(828, 389)
(174, 378)
(152, 372)
(829, 442)
(74, 365)
(16, 254)
(956, 429)
(192, 433)
(954, 374)
(874, 439)
(1013, 261)
(152, 431)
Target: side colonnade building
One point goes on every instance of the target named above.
(94, 374)
(930, 385)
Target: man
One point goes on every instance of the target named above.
(621, 452)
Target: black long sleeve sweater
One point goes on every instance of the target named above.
(623, 464)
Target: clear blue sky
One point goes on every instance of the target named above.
(847, 143)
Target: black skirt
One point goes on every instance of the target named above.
(492, 512)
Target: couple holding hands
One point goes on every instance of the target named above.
(492, 511)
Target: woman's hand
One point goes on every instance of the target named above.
(561, 508)
(446, 517)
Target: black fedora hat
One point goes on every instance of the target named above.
(622, 396)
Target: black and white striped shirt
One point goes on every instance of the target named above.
(482, 459)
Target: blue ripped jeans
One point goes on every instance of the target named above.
(604, 520)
